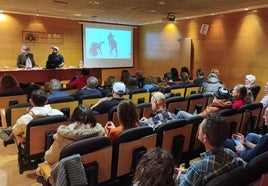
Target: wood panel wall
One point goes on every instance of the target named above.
(236, 44)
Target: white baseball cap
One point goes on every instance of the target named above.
(119, 87)
(56, 48)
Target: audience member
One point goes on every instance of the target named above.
(184, 79)
(155, 168)
(211, 85)
(105, 104)
(242, 96)
(140, 79)
(174, 74)
(128, 118)
(161, 114)
(150, 83)
(55, 60)
(264, 100)
(220, 101)
(90, 89)
(80, 81)
(83, 125)
(250, 146)
(185, 69)
(250, 80)
(108, 86)
(168, 79)
(9, 85)
(213, 131)
(200, 78)
(125, 76)
(38, 109)
(26, 58)
(55, 87)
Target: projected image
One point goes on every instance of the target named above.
(107, 43)
(107, 46)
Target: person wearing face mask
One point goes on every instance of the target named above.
(26, 58)
(55, 60)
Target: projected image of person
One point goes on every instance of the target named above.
(112, 44)
(95, 49)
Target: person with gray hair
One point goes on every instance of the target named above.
(26, 58)
(55, 89)
(90, 89)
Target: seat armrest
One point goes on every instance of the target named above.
(45, 170)
(3, 118)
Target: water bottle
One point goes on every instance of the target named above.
(195, 112)
(81, 64)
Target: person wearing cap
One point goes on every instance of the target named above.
(105, 104)
(221, 101)
(250, 80)
(55, 87)
(26, 58)
(162, 115)
(55, 60)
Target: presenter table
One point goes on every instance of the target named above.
(44, 75)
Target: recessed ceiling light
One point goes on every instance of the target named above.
(77, 15)
(94, 2)
(246, 9)
(161, 2)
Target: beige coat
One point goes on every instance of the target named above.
(68, 134)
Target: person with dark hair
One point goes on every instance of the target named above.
(150, 83)
(55, 60)
(161, 114)
(83, 125)
(128, 118)
(26, 58)
(168, 79)
(108, 86)
(90, 89)
(38, 109)
(9, 85)
(155, 168)
(78, 82)
(174, 74)
(242, 96)
(249, 146)
(185, 69)
(213, 131)
(105, 104)
(200, 77)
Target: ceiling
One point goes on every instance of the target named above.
(130, 12)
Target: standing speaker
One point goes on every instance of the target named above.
(204, 29)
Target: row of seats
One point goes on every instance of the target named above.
(178, 137)
(248, 118)
(107, 163)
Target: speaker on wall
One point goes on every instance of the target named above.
(204, 29)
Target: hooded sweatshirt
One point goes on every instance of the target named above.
(68, 134)
(211, 85)
(19, 129)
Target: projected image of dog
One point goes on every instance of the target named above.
(95, 49)
(112, 45)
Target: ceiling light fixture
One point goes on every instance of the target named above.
(171, 17)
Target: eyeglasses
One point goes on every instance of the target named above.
(152, 96)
